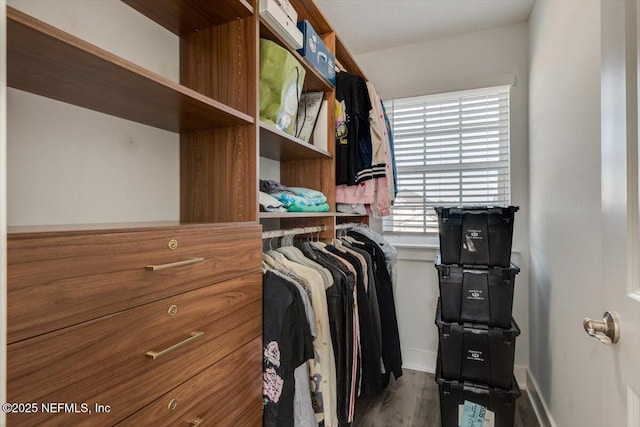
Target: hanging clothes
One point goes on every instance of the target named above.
(391, 353)
(353, 137)
(340, 309)
(322, 367)
(371, 376)
(287, 344)
(344, 341)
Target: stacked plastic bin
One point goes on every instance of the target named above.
(477, 334)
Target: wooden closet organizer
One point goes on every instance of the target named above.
(160, 321)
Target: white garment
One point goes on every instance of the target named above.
(322, 367)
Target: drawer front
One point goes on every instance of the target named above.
(227, 394)
(106, 361)
(60, 280)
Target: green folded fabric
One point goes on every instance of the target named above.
(306, 208)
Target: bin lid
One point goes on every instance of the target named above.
(476, 328)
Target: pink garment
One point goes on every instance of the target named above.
(362, 193)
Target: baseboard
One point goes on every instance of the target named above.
(537, 401)
(419, 360)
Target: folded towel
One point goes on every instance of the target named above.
(315, 196)
(306, 208)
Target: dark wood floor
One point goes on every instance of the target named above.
(413, 401)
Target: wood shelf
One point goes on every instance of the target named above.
(278, 145)
(44, 60)
(344, 214)
(293, 215)
(344, 56)
(182, 17)
(313, 81)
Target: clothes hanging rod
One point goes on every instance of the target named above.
(292, 232)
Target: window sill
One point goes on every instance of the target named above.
(425, 248)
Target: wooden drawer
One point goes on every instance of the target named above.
(104, 361)
(60, 279)
(227, 394)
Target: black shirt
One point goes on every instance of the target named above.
(353, 135)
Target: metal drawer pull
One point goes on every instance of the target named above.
(156, 354)
(195, 421)
(173, 264)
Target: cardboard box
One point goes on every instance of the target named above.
(276, 17)
(288, 9)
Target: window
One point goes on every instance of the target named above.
(451, 149)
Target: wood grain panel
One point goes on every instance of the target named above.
(278, 145)
(316, 174)
(344, 56)
(218, 181)
(186, 16)
(217, 62)
(103, 361)
(309, 10)
(60, 280)
(46, 61)
(228, 393)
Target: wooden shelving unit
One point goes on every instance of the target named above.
(344, 56)
(314, 81)
(182, 17)
(214, 108)
(278, 145)
(49, 62)
(301, 164)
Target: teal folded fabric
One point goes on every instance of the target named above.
(316, 197)
(292, 199)
(295, 207)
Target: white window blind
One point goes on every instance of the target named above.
(452, 149)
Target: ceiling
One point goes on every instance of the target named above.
(368, 25)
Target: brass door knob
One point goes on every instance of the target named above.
(606, 330)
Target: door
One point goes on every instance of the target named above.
(620, 370)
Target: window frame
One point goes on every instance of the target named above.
(501, 170)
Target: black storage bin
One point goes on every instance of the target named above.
(476, 235)
(477, 353)
(477, 294)
(501, 402)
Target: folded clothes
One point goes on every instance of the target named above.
(306, 208)
(315, 196)
(269, 186)
(353, 208)
(270, 204)
(288, 199)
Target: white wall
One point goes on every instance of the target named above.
(564, 152)
(71, 165)
(486, 58)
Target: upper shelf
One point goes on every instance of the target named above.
(278, 145)
(313, 81)
(186, 16)
(346, 58)
(47, 61)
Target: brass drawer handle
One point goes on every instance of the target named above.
(156, 354)
(195, 421)
(173, 264)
